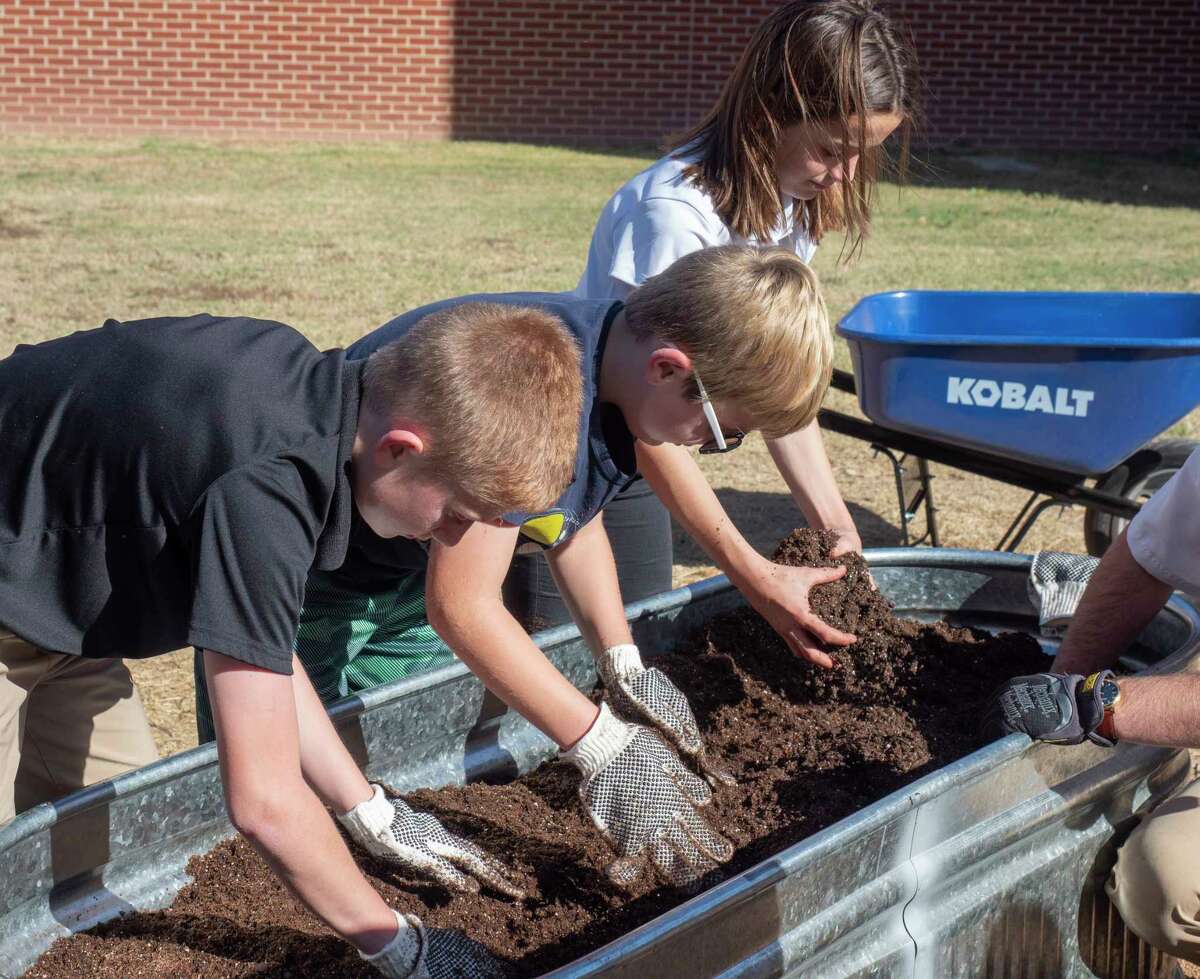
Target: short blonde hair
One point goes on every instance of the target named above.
(754, 324)
(500, 390)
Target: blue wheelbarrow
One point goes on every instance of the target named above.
(1061, 393)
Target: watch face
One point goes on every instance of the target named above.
(1109, 692)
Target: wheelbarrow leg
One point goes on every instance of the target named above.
(910, 507)
(931, 524)
(1026, 522)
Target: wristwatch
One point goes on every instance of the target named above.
(1110, 696)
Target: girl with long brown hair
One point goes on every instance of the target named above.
(788, 155)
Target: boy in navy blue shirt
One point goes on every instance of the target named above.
(725, 341)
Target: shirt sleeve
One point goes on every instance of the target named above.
(654, 236)
(1164, 538)
(254, 540)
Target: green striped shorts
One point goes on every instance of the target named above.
(350, 640)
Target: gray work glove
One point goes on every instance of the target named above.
(439, 953)
(644, 801)
(647, 696)
(1057, 581)
(1051, 707)
(391, 829)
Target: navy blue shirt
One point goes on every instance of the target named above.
(605, 462)
(172, 482)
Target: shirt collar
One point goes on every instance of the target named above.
(335, 537)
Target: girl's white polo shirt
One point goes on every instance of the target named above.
(657, 217)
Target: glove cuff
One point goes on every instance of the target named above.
(1056, 584)
(1091, 706)
(605, 739)
(371, 818)
(623, 660)
(1060, 602)
(404, 955)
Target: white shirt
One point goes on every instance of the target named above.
(1164, 537)
(657, 217)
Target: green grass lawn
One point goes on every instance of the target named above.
(338, 238)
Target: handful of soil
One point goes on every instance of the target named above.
(806, 746)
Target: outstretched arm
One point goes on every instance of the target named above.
(465, 607)
(586, 574)
(779, 594)
(258, 744)
(804, 465)
(1119, 603)
(634, 788)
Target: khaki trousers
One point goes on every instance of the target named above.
(65, 722)
(1156, 882)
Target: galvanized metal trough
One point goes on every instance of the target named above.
(991, 866)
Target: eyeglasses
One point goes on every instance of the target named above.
(720, 442)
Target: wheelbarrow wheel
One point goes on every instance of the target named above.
(1137, 479)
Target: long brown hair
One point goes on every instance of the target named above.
(811, 61)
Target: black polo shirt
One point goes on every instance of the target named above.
(171, 482)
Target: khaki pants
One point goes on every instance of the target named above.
(65, 722)
(1156, 882)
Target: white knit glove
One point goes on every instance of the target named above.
(1057, 581)
(644, 801)
(648, 696)
(391, 829)
(439, 953)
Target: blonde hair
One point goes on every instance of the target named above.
(831, 62)
(499, 389)
(754, 324)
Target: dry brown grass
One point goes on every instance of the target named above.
(337, 238)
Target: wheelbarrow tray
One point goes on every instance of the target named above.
(1074, 381)
(988, 863)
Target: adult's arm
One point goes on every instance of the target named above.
(779, 594)
(464, 604)
(1162, 710)
(1119, 602)
(271, 804)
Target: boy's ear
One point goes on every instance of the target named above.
(394, 444)
(666, 363)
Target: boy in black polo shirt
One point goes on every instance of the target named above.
(173, 481)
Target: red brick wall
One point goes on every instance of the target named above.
(1049, 73)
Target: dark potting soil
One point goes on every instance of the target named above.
(807, 747)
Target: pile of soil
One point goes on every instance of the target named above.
(807, 747)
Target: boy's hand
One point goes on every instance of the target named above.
(439, 953)
(644, 801)
(391, 829)
(648, 696)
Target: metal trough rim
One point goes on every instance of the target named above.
(729, 893)
(745, 885)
